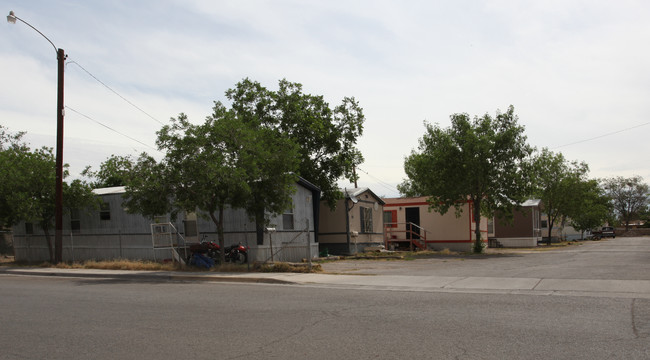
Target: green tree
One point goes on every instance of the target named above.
(326, 137)
(629, 197)
(114, 171)
(223, 162)
(479, 160)
(27, 192)
(557, 183)
(644, 215)
(12, 149)
(147, 191)
(593, 207)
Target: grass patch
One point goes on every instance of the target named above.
(144, 265)
(557, 245)
(118, 264)
(6, 260)
(287, 267)
(396, 255)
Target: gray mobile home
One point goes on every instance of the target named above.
(110, 232)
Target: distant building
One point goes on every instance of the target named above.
(562, 230)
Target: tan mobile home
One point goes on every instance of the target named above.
(523, 230)
(355, 224)
(409, 223)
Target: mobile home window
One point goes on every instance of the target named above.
(366, 219)
(390, 218)
(105, 211)
(29, 228)
(190, 228)
(75, 223)
(287, 220)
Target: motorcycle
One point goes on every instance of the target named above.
(236, 253)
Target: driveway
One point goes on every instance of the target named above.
(611, 259)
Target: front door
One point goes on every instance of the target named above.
(412, 216)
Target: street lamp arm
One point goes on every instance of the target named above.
(11, 18)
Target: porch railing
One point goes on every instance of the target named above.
(409, 232)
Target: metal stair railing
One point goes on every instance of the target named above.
(409, 232)
(166, 236)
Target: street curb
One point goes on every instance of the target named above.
(217, 278)
(150, 277)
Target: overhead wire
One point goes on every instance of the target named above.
(601, 136)
(381, 182)
(393, 188)
(115, 92)
(121, 97)
(110, 128)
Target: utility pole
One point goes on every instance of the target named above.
(60, 113)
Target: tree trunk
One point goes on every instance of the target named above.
(259, 226)
(219, 223)
(48, 239)
(478, 244)
(550, 229)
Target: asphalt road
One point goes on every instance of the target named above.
(127, 318)
(45, 318)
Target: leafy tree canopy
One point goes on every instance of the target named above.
(27, 192)
(479, 159)
(114, 171)
(222, 162)
(630, 197)
(593, 207)
(326, 137)
(559, 184)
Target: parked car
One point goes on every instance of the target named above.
(605, 231)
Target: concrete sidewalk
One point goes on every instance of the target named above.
(471, 284)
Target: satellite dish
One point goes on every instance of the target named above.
(375, 206)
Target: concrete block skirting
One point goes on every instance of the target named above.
(518, 242)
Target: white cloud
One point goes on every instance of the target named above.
(573, 69)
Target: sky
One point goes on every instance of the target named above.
(577, 72)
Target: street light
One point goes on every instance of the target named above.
(60, 112)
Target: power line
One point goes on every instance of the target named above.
(110, 128)
(115, 92)
(601, 136)
(382, 183)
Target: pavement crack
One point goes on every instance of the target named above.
(634, 329)
(463, 353)
(640, 317)
(13, 355)
(261, 347)
(449, 285)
